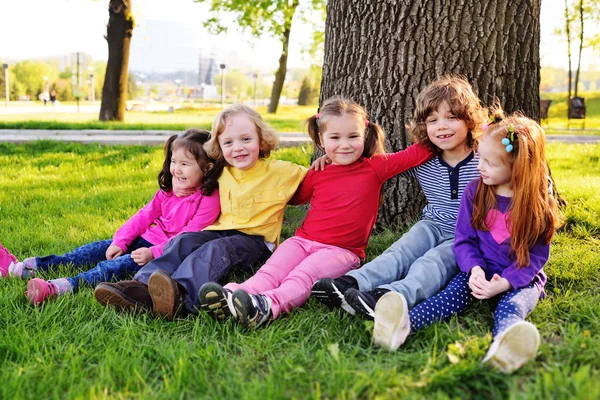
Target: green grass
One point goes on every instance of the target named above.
(55, 196)
(287, 119)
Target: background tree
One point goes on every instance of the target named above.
(118, 35)
(389, 51)
(30, 75)
(261, 17)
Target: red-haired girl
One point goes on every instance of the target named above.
(505, 222)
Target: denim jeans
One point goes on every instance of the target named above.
(194, 258)
(95, 254)
(418, 265)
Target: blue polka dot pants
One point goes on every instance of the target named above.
(513, 306)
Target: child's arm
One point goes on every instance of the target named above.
(137, 224)
(305, 190)
(521, 277)
(388, 165)
(466, 243)
(207, 213)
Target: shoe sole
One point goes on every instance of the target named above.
(109, 296)
(213, 301)
(242, 302)
(163, 291)
(517, 345)
(392, 324)
(324, 295)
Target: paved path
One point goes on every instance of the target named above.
(158, 137)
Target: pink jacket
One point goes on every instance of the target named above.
(166, 216)
(5, 259)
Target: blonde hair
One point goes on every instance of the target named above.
(266, 134)
(458, 93)
(338, 106)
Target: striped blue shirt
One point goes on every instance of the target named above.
(443, 186)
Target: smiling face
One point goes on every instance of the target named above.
(240, 142)
(494, 165)
(343, 139)
(187, 174)
(447, 131)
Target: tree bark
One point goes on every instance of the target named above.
(118, 35)
(282, 70)
(576, 87)
(382, 54)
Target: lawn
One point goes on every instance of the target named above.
(55, 196)
(287, 119)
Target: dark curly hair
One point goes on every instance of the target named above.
(192, 140)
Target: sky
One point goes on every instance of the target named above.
(46, 28)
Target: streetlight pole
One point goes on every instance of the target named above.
(255, 76)
(222, 66)
(5, 67)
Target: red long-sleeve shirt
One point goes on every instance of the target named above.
(344, 199)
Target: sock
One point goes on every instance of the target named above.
(63, 285)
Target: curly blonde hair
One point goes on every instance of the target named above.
(463, 103)
(266, 134)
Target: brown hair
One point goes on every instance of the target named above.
(533, 212)
(338, 106)
(192, 141)
(462, 101)
(266, 134)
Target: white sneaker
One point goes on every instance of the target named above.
(392, 323)
(514, 347)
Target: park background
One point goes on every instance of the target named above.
(55, 196)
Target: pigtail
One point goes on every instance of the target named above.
(210, 182)
(165, 178)
(312, 125)
(374, 139)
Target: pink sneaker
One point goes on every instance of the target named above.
(39, 290)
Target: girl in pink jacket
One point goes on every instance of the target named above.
(188, 201)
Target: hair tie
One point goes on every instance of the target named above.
(180, 134)
(484, 127)
(318, 115)
(508, 142)
(367, 122)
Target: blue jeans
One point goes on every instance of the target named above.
(95, 254)
(194, 258)
(512, 306)
(418, 265)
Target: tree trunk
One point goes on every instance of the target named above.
(576, 86)
(570, 74)
(382, 54)
(118, 35)
(282, 70)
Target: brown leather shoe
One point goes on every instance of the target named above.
(166, 296)
(125, 295)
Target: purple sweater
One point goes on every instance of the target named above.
(166, 216)
(491, 249)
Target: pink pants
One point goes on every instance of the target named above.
(5, 259)
(288, 275)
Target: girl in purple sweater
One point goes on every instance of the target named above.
(505, 222)
(188, 201)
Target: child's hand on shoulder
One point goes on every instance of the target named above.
(142, 256)
(113, 252)
(320, 163)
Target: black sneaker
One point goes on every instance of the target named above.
(216, 301)
(253, 310)
(331, 291)
(363, 303)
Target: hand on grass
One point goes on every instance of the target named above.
(320, 163)
(142, 256)
(113, 252)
